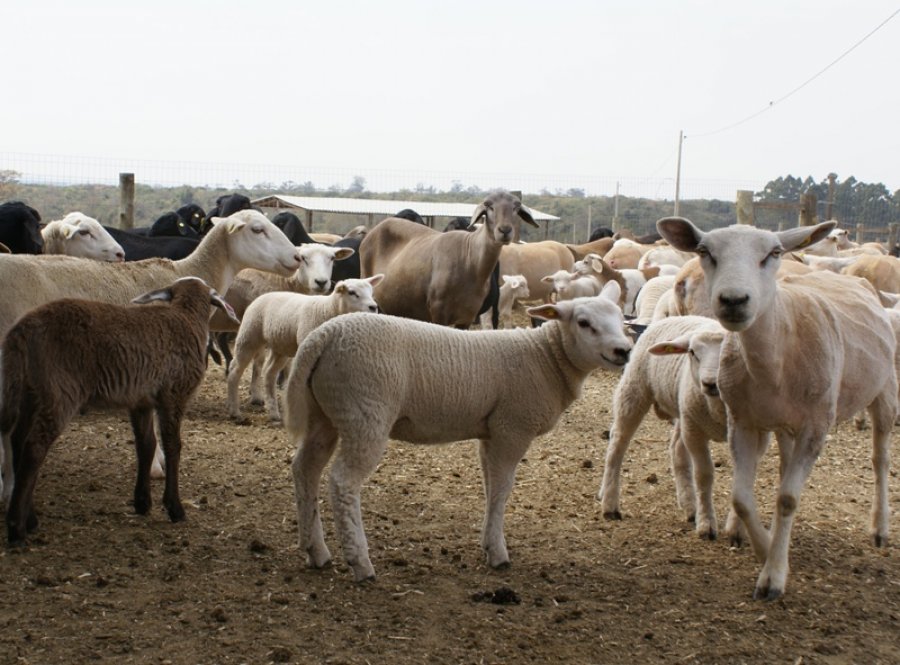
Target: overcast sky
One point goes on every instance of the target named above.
(559, 88)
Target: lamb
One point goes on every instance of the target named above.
(72, 353)
(279, 322)
(535, 260)
(649, 296)
(626, 254)
(365, 379)
(673, 368)
(423, 268)
(513, 289)
(803, 352)
(245, 240)
(76, 234)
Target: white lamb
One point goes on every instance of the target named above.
(76, 234)
(569, 285)
(673, 368)
(804, 352)
(364, 379)
(278, 322)
(512, 289)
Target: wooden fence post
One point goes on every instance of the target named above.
(860, 232)
(744, 207)
(808, 209)
(892, 236)
(126, 200)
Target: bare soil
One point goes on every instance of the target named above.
(100, 584)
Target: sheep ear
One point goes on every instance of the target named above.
(221, 303)
(673, 347)
(546, 312)
(804, 236)
(68, 230)
(611, 291)
(343, 253)
(525, 214)
(151, 296)
(234, 225)
(547, 279)
(599, 265)
(680, 233)
(375, 280)
(480, 212)
(340, 287)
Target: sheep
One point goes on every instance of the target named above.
(279, 322)
(423, 267)
(648, 298)
(245, 240)
(72, 353)
(513, 289)
(673, 368)
(882, 271)
(626, 254)
(139, 247)
(631, 280)
(663, 256)
(599, 246)
(535, 260)
(365, 379)
(569, 285)
(803, 352)
(20, 228)
(833, 263)
(76, 234)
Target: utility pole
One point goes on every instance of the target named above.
(615, 221)
(678, 173)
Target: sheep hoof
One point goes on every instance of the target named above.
(708, 535)
(176, 513)
(612, 515)
(503, 565)
(767, 594)
(879, 541)
(257, 401)
(735, 540)
(142, 505)
(692, 518)
(241, 420)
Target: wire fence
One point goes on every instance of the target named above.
(581, 201)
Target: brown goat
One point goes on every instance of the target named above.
(68, 354)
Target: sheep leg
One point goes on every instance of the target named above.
(499, 459)
(273, 365)
(244, 354)
(257, 398)
(773, 576)
(169, 418)
(682, 470)
(30, 450)
(145, 446)
(356, 460)
(882, 412)
(746, 448)
(628, 411)
(308, 464)
(7, 477)
(698, 445)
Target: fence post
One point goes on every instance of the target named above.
(860, 232)
(744, 207)
(808, 209)
(892, 236)
(126, 200)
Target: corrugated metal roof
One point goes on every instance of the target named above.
(378, 206)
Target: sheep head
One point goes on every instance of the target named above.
(503, 214)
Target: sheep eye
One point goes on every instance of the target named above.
(774, 254)
(583, 323)
(351, 293)
(258, 229)
(84, 232)
(693, 355)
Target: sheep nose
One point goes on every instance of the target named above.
(710, 388)
(622, 354)
(322, 284)
(373, 308)
(120, 256)
(733, 301)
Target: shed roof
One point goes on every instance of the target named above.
(378, 206)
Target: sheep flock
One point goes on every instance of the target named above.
(737, 335)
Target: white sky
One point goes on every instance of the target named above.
(558, 87)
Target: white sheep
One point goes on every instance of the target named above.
(76, 234)
(673, 368)
(569, 285)
(648, 297)
(72, 353)
(244, 240)
(804, 352)
(278, 322)
(364, 379)
(512, 289)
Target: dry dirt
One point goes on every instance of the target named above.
(99, 584)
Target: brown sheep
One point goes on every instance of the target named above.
(441, 277)
(68, 354)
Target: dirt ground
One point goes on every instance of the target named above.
(99, 584)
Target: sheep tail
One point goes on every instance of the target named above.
(297, 393)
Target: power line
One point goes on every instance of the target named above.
(802, 85)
